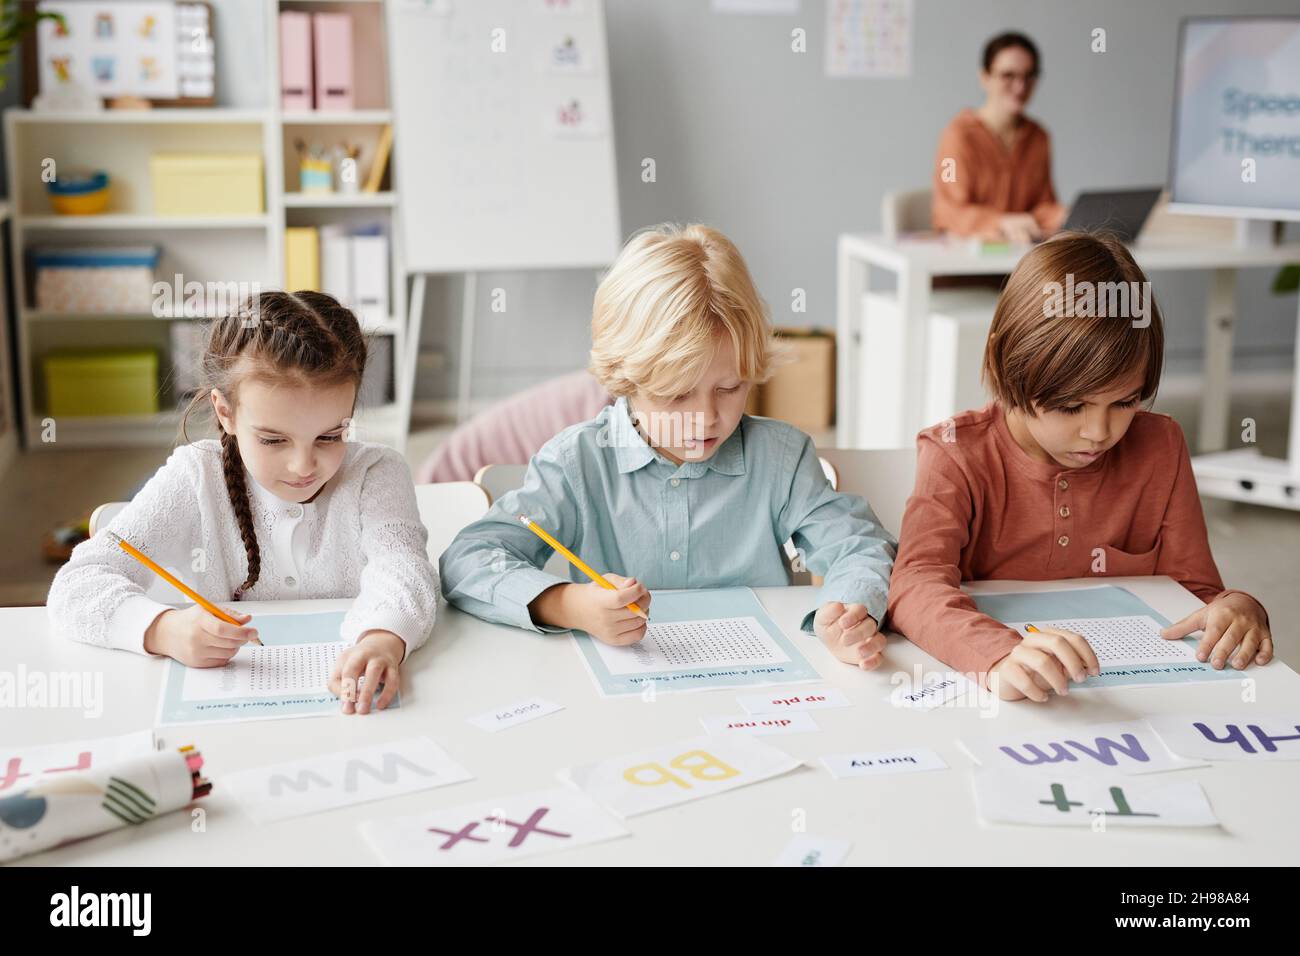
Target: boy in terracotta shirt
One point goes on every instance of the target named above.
(1064, 475)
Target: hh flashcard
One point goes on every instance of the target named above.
(1242, 737)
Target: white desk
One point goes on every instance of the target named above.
(1242, 474)
(470, 667)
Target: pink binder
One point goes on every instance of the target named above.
(333, 33)
(295, 60)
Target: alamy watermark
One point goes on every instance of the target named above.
(1112, 300)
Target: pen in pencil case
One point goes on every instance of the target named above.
(171, 579)
(61, 807)
(576, 561)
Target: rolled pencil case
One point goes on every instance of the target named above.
(59, 808)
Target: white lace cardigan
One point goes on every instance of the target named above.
(361, 538)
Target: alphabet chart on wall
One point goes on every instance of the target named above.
(697, 640)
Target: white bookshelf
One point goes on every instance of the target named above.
(206, 249)
(371, 112)
(340, 200)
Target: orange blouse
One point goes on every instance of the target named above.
(986, 180)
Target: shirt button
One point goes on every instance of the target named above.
(290, 582)
(1063, 540)
(1065, 511)
(295, 511)
(1063, 484)
(675, 555)
(676, 482)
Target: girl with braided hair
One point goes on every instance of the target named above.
(284, 505)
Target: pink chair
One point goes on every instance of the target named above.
(512, 431)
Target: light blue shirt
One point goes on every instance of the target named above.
(624, 508)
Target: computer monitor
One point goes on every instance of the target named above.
(1237, 99)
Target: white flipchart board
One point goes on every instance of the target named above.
(504, 145)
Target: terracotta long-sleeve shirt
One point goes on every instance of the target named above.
(984, 509)
(987, 180)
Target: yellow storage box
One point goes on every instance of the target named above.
(109, 382)
(207, 184)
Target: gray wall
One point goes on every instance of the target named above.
(757, 141)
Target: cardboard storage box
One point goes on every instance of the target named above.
(803, 391)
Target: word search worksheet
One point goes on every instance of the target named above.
(287, 677)
(725, 641)
(698, 640)
(1121, 640)
(1122, 629)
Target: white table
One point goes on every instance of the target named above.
(469, 667)
(1242, 474)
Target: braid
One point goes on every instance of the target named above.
(233, 467)
(303, 336)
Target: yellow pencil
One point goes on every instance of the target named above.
(175, 582)
(1032, 630)
(577, 561)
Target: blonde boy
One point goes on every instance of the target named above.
(673, 486)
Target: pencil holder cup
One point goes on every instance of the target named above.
(315, 176)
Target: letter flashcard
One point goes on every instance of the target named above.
(1125, 748)
(676, 773)
(1096, 801)
(343, 778)
(508, 828)
(1246, 737)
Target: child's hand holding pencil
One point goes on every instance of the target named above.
(201, 635)
(612, 608)
(197, 639)
(602, 610)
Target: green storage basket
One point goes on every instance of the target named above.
(117, 382)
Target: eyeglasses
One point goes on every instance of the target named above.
(1007, 77)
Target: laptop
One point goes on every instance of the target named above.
(1122, 212)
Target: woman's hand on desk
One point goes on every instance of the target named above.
(1043, 663)
(377, 657)
(1235, 625)
(1020, 228)
(850, 633)
(1056, 222)
(196, 638)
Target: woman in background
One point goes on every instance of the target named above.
(993, 171)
